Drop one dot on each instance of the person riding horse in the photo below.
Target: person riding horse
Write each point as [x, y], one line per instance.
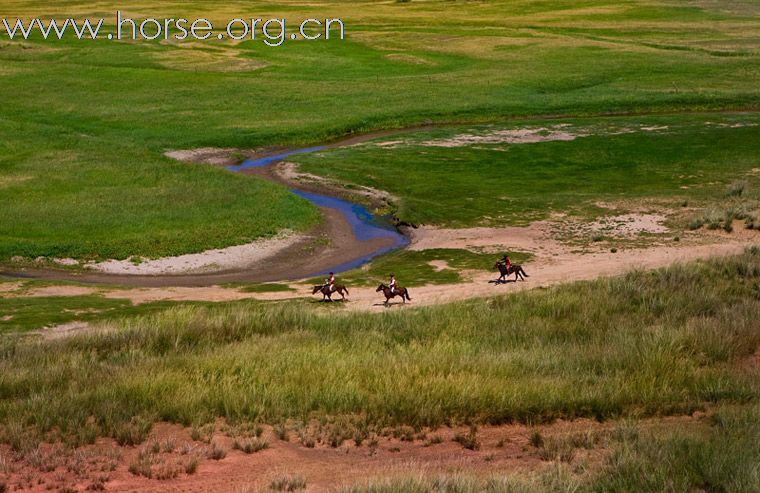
[330, 282]
[329, 287]
[506, 261]
[392, 290]
[506, 268]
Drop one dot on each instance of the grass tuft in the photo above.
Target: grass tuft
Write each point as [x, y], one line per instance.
[287, 482]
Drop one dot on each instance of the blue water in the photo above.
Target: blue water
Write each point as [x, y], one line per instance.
[266, 161]
[364, 224]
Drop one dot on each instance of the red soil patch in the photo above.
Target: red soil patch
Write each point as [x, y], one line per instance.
[501, 450]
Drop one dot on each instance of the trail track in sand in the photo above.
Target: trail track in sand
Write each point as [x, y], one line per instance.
[553, 263]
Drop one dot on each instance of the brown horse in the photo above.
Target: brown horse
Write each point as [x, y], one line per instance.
[515, 269]
[403, 292]
[327, 294]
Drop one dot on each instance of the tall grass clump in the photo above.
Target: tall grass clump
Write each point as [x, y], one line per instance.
[722, 459]
[661, 342]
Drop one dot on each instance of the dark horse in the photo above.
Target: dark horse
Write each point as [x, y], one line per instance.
[403, 292]
[327, 294]
[515, 269]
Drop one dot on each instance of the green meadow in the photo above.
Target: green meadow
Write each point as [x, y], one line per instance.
[23, 314]
[84, 124]
[475, 175]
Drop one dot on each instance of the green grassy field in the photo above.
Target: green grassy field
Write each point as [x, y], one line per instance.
[474, 175]
[660, 343]
[84, 124]
[22, 314]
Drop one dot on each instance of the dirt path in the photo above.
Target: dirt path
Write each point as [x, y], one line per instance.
[553, 263]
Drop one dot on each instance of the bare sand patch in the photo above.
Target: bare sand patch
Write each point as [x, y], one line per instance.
[10, 287]
[289, 172]
[82, 311]
[389, 143]
[63, 330]
[6, 318]
[630, 224]
[60, 290]
[207, 155]
[439, 265]
[535, 238]
[532, 135]
[655, 128]
[223, 259]
[512, 136]
[207, 293]
[66, 261]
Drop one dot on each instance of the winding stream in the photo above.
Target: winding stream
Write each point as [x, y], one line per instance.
[364, 225]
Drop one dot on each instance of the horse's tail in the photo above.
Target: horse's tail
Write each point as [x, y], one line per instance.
[406, 292]
[523, 272]
[345, 289]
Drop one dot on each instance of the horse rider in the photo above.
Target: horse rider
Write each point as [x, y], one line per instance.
[506, 261]
[330, 282]
[392, 284]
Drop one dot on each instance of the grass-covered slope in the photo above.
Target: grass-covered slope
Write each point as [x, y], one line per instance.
[83, 124]
[648, 343]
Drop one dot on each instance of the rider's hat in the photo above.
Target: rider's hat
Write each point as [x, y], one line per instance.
[331, 273]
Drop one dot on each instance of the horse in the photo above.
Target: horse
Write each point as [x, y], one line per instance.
[327, 294]
[515, 269]
[403, 292]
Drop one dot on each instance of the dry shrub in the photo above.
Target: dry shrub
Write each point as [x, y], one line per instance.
[250, 446]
